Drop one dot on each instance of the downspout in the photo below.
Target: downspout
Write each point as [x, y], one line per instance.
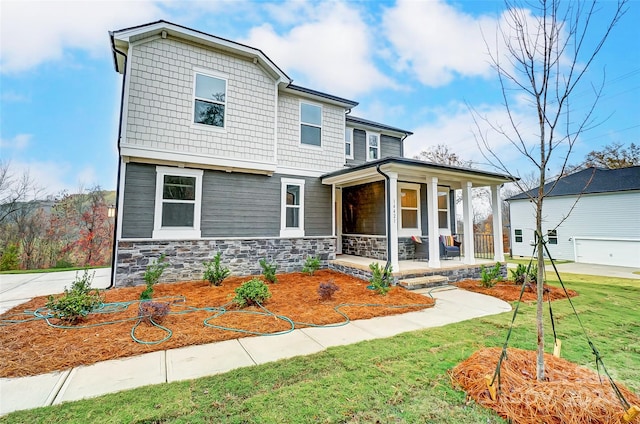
[115, 223]
[402, 145]
[386, 177]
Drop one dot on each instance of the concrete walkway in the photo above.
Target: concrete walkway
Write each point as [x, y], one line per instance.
[452, 305]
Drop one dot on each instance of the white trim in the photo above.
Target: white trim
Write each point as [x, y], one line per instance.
[125, 101]
[284, 230]
[120, 200]
[348, 130]
[211, 74]
[367, 134]
[195, 158]
[300, 123]
[177, 233]
[299, 172]
[446, 229]
[275, 122]
[408, 232]
[144, 239]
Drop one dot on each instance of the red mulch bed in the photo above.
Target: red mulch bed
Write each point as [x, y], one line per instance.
[33, 347]
[510, 292]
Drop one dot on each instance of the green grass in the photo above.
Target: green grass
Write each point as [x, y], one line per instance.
[402, 379]
[525, 261]
[42, 271]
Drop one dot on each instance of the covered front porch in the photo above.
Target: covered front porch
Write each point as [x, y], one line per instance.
[383, 207]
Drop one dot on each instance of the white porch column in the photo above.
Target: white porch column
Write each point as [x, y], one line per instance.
[337, 193]
[392, 215]
[467, 219]
[432, 219]
[496, 209]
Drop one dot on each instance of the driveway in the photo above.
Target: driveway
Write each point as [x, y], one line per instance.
[19, 288]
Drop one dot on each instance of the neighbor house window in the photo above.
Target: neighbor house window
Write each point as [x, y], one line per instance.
[292, 208]
[552, 235]
[348, 143]
[373, 146]
[210, 99]
[178, 199]
[443, 209]
[518, 234]
[310, 124]
[409, 209]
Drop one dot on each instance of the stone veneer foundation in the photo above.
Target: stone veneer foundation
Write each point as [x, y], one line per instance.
[376, 247]
[241, 256]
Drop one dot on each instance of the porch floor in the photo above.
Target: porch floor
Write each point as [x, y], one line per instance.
[408, 267]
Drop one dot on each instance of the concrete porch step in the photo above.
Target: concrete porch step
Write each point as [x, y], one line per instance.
[423, 282]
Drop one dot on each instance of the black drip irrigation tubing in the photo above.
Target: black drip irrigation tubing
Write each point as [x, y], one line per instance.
[45, 314]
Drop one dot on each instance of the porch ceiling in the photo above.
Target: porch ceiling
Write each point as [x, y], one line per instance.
[417, 171]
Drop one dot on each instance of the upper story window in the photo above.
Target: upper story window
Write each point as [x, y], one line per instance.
[210, 100]
[310, 124]
[177, 205]
[292, 208]
[373, 146]
[553, 236]
[518, 235]
[348, 143]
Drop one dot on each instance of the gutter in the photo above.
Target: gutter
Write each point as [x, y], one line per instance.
[117, 206]
[386, 177]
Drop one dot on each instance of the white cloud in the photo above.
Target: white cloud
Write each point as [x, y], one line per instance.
[48, 177]
[435, 41]
[332, 49]
[33, 33]
[19, 142]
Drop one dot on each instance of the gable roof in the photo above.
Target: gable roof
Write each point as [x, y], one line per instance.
[590, 181]
[375, 125]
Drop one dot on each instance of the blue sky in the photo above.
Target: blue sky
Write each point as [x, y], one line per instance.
[413, 65]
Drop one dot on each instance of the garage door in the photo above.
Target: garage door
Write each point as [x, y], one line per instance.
[608, 251]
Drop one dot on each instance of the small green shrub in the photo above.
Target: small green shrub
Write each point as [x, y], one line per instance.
[253, 292]
[214, 272]
[326, 290]
[63, 263]
[153, 311]
[10, 258]
[489, 276]
[380, 278]
[311, 265]
[77, 302]
[152, 276]
[520, 274]
[269, 271]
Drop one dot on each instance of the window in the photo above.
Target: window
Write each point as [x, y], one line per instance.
[178, 199]
[292, 208]
[518, 234]
[373, 146]
[310, 124]
[210, 96]
[348, 143]
[443, 209]
[552, 235]
[409, 209]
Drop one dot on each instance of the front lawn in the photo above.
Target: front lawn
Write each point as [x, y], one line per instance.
[402, 379]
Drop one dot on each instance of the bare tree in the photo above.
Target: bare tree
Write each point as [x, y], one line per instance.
[612, 156]
[547, 48]
[442, 155]
[15, 190]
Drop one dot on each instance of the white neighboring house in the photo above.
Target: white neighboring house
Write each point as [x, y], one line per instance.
[603, 227]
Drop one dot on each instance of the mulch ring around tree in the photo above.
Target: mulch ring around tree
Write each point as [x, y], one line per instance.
[570, 395]
[510, 292]
[31, 347]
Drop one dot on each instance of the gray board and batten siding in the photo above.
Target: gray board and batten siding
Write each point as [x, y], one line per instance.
[389, 147]
[233, 204]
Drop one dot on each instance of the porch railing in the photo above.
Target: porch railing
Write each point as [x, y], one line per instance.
[483, 245]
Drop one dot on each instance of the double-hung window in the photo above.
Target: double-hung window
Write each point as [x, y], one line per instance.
[178, 200]
[310, 124]
[552, 235]
[443, 209]
[348, 143]
[210, 100]
[409, 209]
[518, 235]
[292, 208]
[373, 146]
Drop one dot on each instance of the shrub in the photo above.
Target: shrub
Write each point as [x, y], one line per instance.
[77, 302]
[326, 290]
[520, 274]
[10, 260]
[152, 276]
[311, 265]
[489, 277]
[380, 278]
[269, 271]
[153, 311]
[63, 263]
[253, 292]
[214, 272]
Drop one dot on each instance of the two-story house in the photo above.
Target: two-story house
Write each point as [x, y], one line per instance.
[220, 151]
